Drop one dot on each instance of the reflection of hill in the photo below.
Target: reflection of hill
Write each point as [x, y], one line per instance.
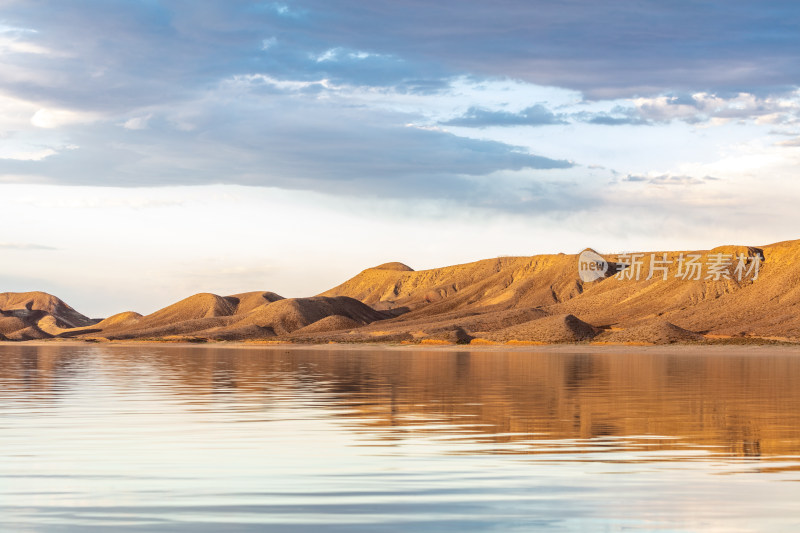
[37, 373]
[736, 405]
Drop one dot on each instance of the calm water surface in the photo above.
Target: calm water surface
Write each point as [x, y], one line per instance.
[202, 439]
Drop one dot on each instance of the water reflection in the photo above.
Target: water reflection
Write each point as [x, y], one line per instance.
[745, 406]
[167, 437]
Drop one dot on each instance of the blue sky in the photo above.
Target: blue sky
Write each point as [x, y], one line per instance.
[152, 149]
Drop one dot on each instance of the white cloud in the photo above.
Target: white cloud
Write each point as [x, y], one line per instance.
[285, 11]
[792, 143]
[15, 46]
[83, 198]
[249, 80]
[4, 28]
[328, 55]
[338, 53]
[717, 110]
[750, 159]
[26, 155]
[25, 179]
[24, 246]
[20, 150]
[55, 118]
[15, 41]
[266, 44]
[669, 180]
[425, 127]
[15, 114]
[137, 123]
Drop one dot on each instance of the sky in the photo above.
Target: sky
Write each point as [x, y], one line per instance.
[150, 150]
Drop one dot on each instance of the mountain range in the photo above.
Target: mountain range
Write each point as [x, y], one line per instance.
[736, 294]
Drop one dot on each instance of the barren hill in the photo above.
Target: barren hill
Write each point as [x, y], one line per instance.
[768, 306]
[286, 316]
[35, 304]
[36, 315]
[255, 315]
[508, 281]
[729, 292]
[249, 301]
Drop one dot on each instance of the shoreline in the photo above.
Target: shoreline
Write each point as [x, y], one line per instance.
[566, 348]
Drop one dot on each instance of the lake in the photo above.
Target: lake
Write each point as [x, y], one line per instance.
[207, 438]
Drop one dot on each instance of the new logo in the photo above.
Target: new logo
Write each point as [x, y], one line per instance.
[591, 266]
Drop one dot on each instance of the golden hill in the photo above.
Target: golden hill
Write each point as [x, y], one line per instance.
[765, 307]
[508, 299]
[508, 281]
[255, 315]
[36, 315]
[248, 301]
[37, 304]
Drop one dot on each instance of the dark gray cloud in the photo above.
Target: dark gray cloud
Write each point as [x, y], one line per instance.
[288, 144]
[477, 117]
[116, 54]
[605, 49]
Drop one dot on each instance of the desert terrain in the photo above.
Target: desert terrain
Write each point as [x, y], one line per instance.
[504, 301]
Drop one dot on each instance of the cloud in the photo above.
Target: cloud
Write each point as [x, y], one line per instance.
[30, 155]
[24, 246]
[476, 117]
[55, 118]
[617, 117]
[247, 139]
[608, 120]
[791, 143]
[697, 109]
[669, 179]
[14, 41]
[152, 53]
[315, 95]
[599, 48]
[146, 53]
[284, 10]
[137, 123]
[339, 54]
[266, 44]
[14, 46]
[703, 107]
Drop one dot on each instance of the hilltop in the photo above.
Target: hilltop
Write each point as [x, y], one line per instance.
[740, 294]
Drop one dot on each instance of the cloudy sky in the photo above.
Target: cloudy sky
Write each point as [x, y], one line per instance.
[153, 149]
